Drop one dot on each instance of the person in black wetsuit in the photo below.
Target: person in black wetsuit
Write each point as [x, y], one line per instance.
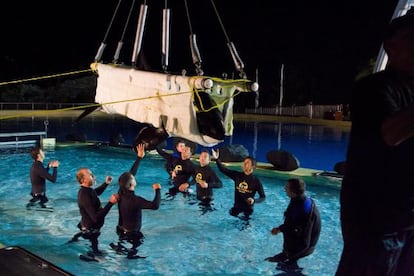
[206, 179]
[179, 148]
[245, 186]
[182, 172]
[90, 208]
[301, 227]
[130, 207]
[38, 176]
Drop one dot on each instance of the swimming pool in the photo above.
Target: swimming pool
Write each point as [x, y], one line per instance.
[316, 146]
[181, 238]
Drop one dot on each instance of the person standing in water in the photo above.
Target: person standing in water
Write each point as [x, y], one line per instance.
[179, 148]
[38, 176]
[183, 170]
[301, 227]
[130, 208]
[90, 208]
[206, 179]
[246, 185]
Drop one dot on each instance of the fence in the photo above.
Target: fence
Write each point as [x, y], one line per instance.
[37, 106]
[329, 112]
[21, 139]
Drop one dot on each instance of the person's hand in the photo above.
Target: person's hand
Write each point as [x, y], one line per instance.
[203, 184]
[250, 201]
[156, 186]
[140, 150]
[275, 231]
[183, 187]
[215, 153]
[54, 163]
[108, 179]
[173, 174]
[114, 198]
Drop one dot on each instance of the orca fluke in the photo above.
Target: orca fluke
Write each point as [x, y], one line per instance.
[85, 113]
[151, 137]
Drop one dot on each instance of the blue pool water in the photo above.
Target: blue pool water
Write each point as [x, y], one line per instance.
[315, 146]
[181, 238]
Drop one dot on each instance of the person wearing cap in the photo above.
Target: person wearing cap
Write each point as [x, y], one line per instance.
[377, 191]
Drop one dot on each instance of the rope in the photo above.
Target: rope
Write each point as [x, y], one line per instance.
[45, 77]
[196, 93]
[46, 112]
[32, 113]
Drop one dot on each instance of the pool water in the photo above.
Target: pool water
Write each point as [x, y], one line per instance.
[181, 238]
[315, 146]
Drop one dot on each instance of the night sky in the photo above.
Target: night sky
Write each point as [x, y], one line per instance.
[323, 44]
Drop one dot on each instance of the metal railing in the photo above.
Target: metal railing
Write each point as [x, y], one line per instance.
[21, 139]
[37, 106]
[330, 112]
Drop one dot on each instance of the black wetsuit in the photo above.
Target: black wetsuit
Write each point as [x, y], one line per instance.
[207, 174]
[130, 212]
[245, 186]
[184, 169]
[38, 176]
[169, 165]
[92, 213]
[301, 229]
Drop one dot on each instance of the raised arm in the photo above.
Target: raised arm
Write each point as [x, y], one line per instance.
[140, 154]
[226, 171]
[164, 154]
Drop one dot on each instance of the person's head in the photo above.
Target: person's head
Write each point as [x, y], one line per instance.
[295, 187]
[37, 154]
[127, 181]
[249, 165]
[204, 158]
[186, 153]
[85, 177]
[399, 43]
[180, 146]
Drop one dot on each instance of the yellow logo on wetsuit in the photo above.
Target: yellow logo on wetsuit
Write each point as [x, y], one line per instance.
[243, 187]
[178, 168]
[199, 176]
